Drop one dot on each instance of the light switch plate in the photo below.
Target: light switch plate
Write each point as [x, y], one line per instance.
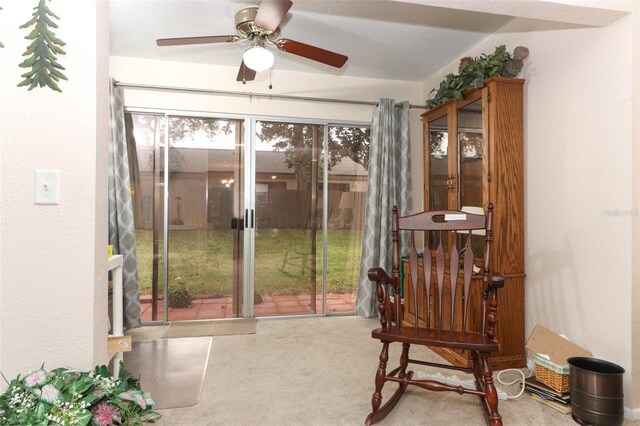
[47, 186]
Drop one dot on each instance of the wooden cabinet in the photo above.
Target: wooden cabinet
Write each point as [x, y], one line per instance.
[473, 155]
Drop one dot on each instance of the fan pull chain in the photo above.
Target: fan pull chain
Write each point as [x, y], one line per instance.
[270, 86]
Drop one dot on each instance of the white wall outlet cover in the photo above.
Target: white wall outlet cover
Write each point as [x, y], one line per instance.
[47, 186]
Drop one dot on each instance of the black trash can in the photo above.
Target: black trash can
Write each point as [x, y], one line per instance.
[596, 392]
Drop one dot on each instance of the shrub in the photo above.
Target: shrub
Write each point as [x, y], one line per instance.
[180, 297]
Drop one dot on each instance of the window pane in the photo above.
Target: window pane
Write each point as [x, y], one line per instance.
[470, 166]
[288, 234]
[145, 137]
[348, 172]
[205, 184]
[439, 177]
[438, 164]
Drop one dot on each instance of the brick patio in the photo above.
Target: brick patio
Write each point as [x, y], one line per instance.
[271, 306]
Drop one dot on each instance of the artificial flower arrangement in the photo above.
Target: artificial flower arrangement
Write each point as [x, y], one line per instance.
[71, 397]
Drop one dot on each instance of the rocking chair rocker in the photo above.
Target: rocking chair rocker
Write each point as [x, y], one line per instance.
[432, 327]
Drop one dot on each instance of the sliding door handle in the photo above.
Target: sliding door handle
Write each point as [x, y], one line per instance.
[248, 224]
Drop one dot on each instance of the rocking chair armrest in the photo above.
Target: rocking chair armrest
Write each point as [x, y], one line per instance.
[383, 294]
[497, 281]
[379, 275]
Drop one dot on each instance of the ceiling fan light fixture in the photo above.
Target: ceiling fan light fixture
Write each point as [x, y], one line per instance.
[258, 58]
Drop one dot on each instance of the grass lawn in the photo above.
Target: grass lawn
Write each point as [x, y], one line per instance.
[202, 261]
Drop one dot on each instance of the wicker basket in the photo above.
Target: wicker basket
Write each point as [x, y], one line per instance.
[554, 375]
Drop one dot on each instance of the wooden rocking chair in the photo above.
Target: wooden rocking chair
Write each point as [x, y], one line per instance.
[437, 322]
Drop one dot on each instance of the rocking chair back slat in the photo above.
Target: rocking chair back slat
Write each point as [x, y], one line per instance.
[468, 272]
[440, 265]
[454, 262]
[426, 271]
[413, 265]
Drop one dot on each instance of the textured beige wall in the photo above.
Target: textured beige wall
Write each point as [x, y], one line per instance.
[581, 206]
[53, 279]
[635, 230]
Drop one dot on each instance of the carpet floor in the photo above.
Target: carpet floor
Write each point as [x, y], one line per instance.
[320, 371]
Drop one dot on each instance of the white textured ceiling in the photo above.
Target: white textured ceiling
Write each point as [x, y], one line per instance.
[383, 39]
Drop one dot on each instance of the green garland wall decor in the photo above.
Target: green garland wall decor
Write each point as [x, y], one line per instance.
[472, 72]
[43, 50]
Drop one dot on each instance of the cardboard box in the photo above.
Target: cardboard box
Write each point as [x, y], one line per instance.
[543, 341]
[550, 352]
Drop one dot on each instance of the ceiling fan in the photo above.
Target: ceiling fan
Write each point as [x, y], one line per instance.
[259, 25]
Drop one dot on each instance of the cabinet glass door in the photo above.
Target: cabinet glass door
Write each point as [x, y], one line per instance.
[440, 178]
[470, 155]
[205, 212]
[439, 181]
[470, 160]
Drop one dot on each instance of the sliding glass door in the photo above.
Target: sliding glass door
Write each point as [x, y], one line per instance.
[146, 134]
[258, 217]
[310, 184]
[288, 211]
[199, 246]
[347, 174]
[205, 202]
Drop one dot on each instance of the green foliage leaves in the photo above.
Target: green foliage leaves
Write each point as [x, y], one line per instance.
[351, 142]
[296, 141]
[43, 50]
[70, 397]
[187, 127]
[474, 71]
[180, 297]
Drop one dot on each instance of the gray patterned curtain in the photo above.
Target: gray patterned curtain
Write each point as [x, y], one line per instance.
[389, 184]
[121, 226]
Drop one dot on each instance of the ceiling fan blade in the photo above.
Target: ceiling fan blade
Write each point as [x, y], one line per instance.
[271, 13]
[179, 41]
[311, 52]
[245, 73]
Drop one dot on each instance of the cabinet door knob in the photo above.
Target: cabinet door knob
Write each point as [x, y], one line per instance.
[451, 182]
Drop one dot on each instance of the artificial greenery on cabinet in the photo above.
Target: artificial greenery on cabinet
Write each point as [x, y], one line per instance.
[43, 51]
[472, 72]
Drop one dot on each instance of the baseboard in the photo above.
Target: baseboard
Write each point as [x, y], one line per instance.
[632, 413]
